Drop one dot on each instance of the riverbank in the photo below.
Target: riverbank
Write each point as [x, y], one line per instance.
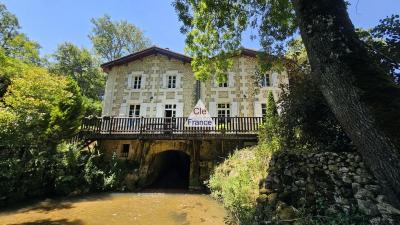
[119, 208]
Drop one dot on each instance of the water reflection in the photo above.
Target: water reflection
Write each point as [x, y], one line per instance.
[121, 209]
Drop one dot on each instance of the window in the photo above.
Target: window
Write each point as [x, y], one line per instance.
[224, 110]
[125, 150]
[137, 81]
[224, 84]
[134, 110]
[170, 110]
[265, 81]
[171, 81]
[263, 110]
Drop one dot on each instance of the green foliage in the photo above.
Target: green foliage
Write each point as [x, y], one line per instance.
[9, 26]
[269, 130]
[214, 30]
[306, 121]
[81, 66]
[382, 42]
[92, 107]
[65, 118]
[42, 105]
[114, 39]
[235, 181]
[93, 175]
[13, 43]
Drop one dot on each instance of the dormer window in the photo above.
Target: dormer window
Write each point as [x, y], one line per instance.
[171, 82]
[265, 81]
[223, 84]
[137, 81]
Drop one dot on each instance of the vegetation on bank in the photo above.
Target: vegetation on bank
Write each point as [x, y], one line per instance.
[235, 181]
[41, 105]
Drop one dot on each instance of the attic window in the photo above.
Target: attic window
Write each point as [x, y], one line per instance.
[265, 81]
[171, 81]
[137, 81]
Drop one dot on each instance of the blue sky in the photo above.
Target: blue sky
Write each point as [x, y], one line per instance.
[51, 22]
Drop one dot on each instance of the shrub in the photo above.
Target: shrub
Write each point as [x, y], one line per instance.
[306, 123]
[235, 181]
[93, 175]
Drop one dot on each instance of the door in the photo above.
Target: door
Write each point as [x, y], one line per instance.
[169, 117]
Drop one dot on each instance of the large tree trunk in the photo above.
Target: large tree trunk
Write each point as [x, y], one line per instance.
[363, 98]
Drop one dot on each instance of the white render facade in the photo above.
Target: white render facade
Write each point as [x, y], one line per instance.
[157, 82]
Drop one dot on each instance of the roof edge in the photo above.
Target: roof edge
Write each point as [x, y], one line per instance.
[157, 50]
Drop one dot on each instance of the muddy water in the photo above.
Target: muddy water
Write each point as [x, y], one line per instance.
[120, 209]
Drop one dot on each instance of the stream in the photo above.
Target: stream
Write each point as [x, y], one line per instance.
[119, 209]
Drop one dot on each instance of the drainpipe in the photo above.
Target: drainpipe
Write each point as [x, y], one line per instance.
[198, 91]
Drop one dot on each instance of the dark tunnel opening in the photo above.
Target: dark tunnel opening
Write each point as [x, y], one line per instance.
[170, 170]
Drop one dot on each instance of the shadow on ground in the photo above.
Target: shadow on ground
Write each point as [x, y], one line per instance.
[51, 222]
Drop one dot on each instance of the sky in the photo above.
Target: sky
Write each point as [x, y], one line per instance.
[52, 22]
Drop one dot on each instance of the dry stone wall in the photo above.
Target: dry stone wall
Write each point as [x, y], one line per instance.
[324, 184]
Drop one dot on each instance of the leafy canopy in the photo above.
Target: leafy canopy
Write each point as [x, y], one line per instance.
[81, 66]
[214, 30]
[114, 39]
[14, 43]
[38, 108]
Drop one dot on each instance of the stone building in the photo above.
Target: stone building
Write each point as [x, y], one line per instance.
[159, 83]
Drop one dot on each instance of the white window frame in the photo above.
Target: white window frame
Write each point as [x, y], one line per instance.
[223, 109]
[171, 107]
[137, 82]
[134, 110]
[171, 81]
[265, 80]
[263, 110]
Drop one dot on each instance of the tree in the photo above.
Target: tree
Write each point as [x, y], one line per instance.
[81, 66]
[39, 107]
[15, 44]
[114, 39]
[8, 26]
[360, 94]
[269, 129]
[384, 43]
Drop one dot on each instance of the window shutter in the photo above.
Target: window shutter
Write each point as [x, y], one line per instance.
[143, 83]
[143, 109]
[257, 109]
[123, 111]
[231, 80]
[234, 109]
[129, 86]
[274, 78]
[178, 81]
[212, 109]
[160, 110]
[164, 81]
[179, 110]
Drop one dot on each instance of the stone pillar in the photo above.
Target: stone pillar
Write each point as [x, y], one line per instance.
[194, 179]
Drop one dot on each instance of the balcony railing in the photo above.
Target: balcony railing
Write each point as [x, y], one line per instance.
[169, 126]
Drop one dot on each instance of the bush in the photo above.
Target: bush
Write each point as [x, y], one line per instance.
[235, 181]
[306, 123]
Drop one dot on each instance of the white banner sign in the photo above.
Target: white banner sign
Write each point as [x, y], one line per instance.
[199, 117]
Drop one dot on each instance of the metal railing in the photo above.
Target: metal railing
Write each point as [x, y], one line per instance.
[168, 125]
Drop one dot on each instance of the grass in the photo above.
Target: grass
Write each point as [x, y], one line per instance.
[235, 181]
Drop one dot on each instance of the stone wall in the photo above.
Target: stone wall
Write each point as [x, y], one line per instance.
[204, 155]
[324, 184]
[243, 93]
[153, 93]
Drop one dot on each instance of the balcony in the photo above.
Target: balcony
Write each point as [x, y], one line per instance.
[123, 128]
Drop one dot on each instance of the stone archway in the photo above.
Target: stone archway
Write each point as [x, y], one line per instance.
[169, 170]
[163, 156]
